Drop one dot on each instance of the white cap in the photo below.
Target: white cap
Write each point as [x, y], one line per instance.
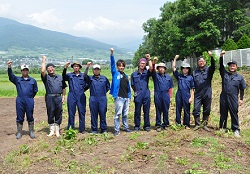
[24, 67]
[96, 66]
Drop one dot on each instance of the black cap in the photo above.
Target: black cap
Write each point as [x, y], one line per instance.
[50, 64]
[232, 62]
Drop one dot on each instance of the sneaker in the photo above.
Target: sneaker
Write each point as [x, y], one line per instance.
[187, 127]
[196, 127]
[94, 132]
[104, 131]
[127, 130]
[147, 129]
[82, 132]
[116, 133]
[158, 129]
[237, 133]
[136, 129]
[206, 128]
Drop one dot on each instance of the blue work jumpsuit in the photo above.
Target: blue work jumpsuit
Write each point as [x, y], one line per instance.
[231, 85]
[139, 83]
[162, 84]
[203, 92]
[76, 97]
[98, 101]
[185, 84]
[54, 86]
[26, 91]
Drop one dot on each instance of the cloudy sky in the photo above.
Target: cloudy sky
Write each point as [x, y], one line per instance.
[110, 21]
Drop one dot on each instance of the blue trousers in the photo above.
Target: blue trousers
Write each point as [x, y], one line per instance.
[54, 109]
[162, 102]
[229, 102]
[24, 105]
[182, 101]
[98, 105]
[142, 101]
[79, 100]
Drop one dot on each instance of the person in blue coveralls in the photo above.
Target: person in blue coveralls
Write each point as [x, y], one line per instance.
[163, 85]
[185, 93]
[203, 92]
[54, 98]
[233, 84]
[26, 90]
[139, 84]
[121, 92]
[76, 96]
[98, 85]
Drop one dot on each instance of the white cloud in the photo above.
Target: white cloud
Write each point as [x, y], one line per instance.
[4, 9]
[46, 19]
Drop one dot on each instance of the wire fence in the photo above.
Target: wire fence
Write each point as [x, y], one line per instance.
[241, 56]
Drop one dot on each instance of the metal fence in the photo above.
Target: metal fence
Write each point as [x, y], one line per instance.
[241, 56]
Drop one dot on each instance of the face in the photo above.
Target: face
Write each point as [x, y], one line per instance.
[185, 70]
[25, 72]
[51, 70]
[161, 70]
[142, 65]
[120, 67]
[202, 63]
[233, 67]
[76, 68]
[96, 71]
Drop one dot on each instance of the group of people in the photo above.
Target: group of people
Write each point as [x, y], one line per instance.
[191, 86]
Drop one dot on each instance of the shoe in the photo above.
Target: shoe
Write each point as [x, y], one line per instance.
[158, 129]
[206, 128]
[147, 129]
[31, 129]
[52, 130]
[19, 130]
[127, 130]
[116, 133]
[196, 127]
[94, 132]
[104, 131]
[57, 130]
[237, 134]
[187, 127]
[136, 129]
[82, 132]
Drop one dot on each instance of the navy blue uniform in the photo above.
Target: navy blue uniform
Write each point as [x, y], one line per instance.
[54, 86]
[231, 84]
[185, 84]
[76, 97]
[162, 84]
[99, 86]
[139, 83]
[203, 91]
[26, 91]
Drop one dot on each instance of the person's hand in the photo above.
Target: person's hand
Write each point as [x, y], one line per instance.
[190, 100]
[9, 63]
[155, 60]
[44, 58]
[112, 50]
[210, 53]
[67, 65]
[89, 64]
[176, 57]
[240, 102]
[222, 53]
[147, 56]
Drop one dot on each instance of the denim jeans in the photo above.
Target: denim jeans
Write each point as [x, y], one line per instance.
[121, 108]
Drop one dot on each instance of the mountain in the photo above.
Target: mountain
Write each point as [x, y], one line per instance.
[21, 38]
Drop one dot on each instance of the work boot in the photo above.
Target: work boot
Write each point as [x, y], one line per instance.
[196, 127]
[52, 130]
[57, 130]
[31, 129]
[204, 123]
[19, 130]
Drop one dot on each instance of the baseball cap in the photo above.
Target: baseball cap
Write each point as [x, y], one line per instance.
[50, 64]
[185, 65]
[96, 66]
[24, 67]
[232, 62]
[161, 65]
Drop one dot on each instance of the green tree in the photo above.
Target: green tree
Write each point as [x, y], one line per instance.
[244, 42]
[229, 45]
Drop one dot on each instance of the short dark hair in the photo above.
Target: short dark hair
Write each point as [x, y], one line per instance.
[189, 71]
[120, 61]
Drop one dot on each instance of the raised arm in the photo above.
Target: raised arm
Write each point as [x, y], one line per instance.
[222, 68]
[85, 74]
[112, 61]
[212, 66]
[64, 75]
[12, 77]
[43, 68]
[174, 62]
